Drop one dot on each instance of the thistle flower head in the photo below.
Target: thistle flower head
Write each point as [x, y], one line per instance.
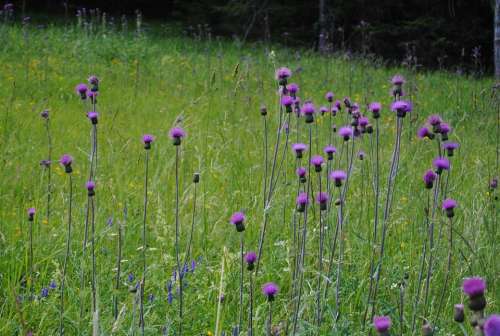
[66, 160]
[363, 121]
[494, 183]
[45, 114]
[270, 289]
[448, 206]
[250, 257]
[302, 199]
[176, 134]
[322, 198]
[429, 178]
[329, 149]
[492, 325]
[441, 163]
[82, 89]
[148, 138]
[382, 323]
[361, 155]
[444, 128]
[283, 73]
[31, 213]
[398, 80]
[346, 132]
[434, 120]
[424, 132]
[287, 101]
[451, 145]
[90, 185]
[458, 313]
[474, 286]
[323, 110]
[237, 217]
[308, 109]
[93, 116]
[301, 172]
[401, 107]
[292, 88]
[93, 80]
[329, 96]
[317, 160]
[338, 176]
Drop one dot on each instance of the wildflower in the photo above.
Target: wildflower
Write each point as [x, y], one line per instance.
[238, 219]
[474, 288]
[308, 111]
[375, 108]
[347, 102]
[82, 89]
[94, 82]
[292, 89]
[45, 114]
[263, 110]
[45, 163]
[283, 73]
[176, 134]
[66, 160]
[435, 121]
[424, 132]
[93, 117]
[334, 111]
[92, 95]
[450, 147]
[382, 324]
[287, 102]
[196, 177]
[270, 289]
[148, 139]
[441, 163]
[130, 277]
[31, 214]
[329, 151]
[317, 161]
[401, 107]
[323, 110]
[322, 199]
[302, 200]
[398, 80]
[363, 122]
[338, 176]
[494, 183]
[458, 313]
[301, 173]
[44, 293]
[429, 178]
[492, 326]
[346, 132]
[52, 284]
[448, 206]
[444, 129]
[338, 105]
[329, 96]
[90, 185]
[250, 259]
[299, 149]
[361, 155]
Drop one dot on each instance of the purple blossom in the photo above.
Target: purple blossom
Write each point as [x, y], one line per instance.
[338, 176]
[237, 218]
[322, 199]
[302, 199]
[450, 147]
[45, 114]
[31, 212]
[52, 284]
[317, 161]
[90, 185]
[308, 109]
[494, 183]
[382, 323]
[93, 117]
[441, 163]
[44, 293]
[424, 132]
[250, 257]
[363, 121]
[474, 286]
[492, 325]
[323, 110]
[361, 155]
[270, 289]
[401, 107]
[299, 149]
[398, 80]
[329, 96]
[287, 101]
[283, 73]
[292, 88]
[301, 173]
[429, 178]
[444, 129]
[176, 134]
[329, 149]
[82, 89]
[434, 120]
[148, 139]
[346, 132]
[93, 80]
[66, 160]
[338, 105]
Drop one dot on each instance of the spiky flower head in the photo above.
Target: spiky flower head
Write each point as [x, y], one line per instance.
[302, 201]
[338, 176]
[177, 134]
[434, 120]
[450, 147]
[448, 206]
[398, 80]
[329, 151]
[82, 89]
[375, 108]
[382, 324]
[270, 289]
[31, 214]
[329, 96]
[317, 161]
[441, 163]
[474, 288]
[429, 178]
[90, 185]
[250, 259]
[424, 132]
[45, 114]
[492, 325]
[93, 116]
[301, 173]
[293, 89]
[283, 73]
[308, 110]
[401, 107]
[238, 219]
[299, 149]
[147, 140]
[66, 160]
[345, 132]
[322, 199]
[458, 313]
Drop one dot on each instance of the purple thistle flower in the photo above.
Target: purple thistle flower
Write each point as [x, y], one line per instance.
[450, 147]
[176, 134]
[441, 163]
[270, 289]
[287, 101]
[329, 151]
[329, 96]
[193, 265]
[429, 178]
[434, 120]
[250, 259]
[93, 117]
[263, 110]
[93, 96]
[401, 107]
[170, 297]
[361, 155]
[302, 201]
[45, 163]
[448, 206]
[301, 173]
[444, 129]
[382, 324]
[375, 108]
[308, 110]
[474, 286]
[492, 325]
[338, 104]
[317, 161]
[93, 80]
[458, 313]
[322, 199]
[283, 73]
[363, 121]
[338, 176]
[494, 183]
[31, 214]
[90, 185]
[334, 111]
[346, 132]
[45, 114]
[293, 89]
[299, 149]
[323, 110]
[398, 80]
[82, 89]
[147, 139]
[424, 132]
[66, 160]
[238, 219]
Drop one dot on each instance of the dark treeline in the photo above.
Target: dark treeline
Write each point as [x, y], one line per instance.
[455, 34]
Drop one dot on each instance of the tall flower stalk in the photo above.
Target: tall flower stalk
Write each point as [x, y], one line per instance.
[31, 218]
[47, 163]
[250, 258]
[238, 220]
[147, 139]
[66, 160]
[270, 290]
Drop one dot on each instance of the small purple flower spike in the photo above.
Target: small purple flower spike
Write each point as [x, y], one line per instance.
[147, 140]
[176, 134]
[429, 178]
[93, 117]
[238, 219]
[338, 176]
[322, 199]
[401, 107]
[31, 214]
[302, 201]
[317, 161]
[441, 163]
[375, 108]
[90, 185]
[270, 289]
[299, 149]
[82, 89]
[346, 132]
[448, 206]
[474, 288]
[66, 160]
[363, 121]
[424, 132]
[329, 97]
[382, 324]
[492, 325]
[250, 259]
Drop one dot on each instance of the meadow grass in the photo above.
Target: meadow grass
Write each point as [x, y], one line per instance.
[215, 88]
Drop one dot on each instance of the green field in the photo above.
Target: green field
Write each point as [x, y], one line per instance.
[214, 89]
